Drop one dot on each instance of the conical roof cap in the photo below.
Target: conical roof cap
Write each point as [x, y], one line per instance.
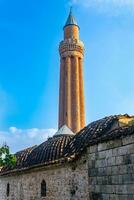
[64, 130]
[71, 19]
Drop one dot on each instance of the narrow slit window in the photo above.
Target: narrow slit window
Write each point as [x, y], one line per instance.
[43, 188]
[8, 189]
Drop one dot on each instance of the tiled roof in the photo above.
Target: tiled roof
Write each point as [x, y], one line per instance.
[23, 155]
[51, 150]
[108, 128]
[66, 147]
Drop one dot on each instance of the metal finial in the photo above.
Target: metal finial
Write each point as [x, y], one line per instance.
[71, 8]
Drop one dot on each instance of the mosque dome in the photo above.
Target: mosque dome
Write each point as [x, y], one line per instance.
[53, 149]
[65, 146]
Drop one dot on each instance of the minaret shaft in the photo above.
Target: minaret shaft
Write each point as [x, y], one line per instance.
[61, 95]
[67, 82]
[81, 90]
[75, 101]
[71, 100]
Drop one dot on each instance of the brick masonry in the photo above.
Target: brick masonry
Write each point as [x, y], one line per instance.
[71, 95]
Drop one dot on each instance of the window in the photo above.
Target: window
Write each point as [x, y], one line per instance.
[43, 188]
[8, 189]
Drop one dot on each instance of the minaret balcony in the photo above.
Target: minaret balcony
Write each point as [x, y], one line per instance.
[71, 45]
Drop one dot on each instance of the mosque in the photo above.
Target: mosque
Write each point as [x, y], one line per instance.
[80, 162]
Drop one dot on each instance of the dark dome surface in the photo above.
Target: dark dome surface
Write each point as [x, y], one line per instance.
[108, 128]
[49, 151]
[22, 156]
[66, 147]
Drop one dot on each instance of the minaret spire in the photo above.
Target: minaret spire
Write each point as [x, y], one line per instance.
[71, 19]
[71, 100]
[71, 10]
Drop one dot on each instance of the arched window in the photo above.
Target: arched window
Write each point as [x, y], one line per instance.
[43, 188]
[8, 189]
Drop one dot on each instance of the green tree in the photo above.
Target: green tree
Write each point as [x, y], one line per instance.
[6, 158]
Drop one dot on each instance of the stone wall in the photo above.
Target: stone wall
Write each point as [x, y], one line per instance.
[69, 182]
[104, 172]
[111, 170]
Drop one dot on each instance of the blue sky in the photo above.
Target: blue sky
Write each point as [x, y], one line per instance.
[30, 32]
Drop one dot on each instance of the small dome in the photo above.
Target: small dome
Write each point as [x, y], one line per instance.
[64, 145]
[49, 151]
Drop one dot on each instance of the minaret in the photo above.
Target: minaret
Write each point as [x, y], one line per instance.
[71, 100]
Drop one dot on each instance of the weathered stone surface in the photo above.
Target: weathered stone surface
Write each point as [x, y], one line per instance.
[109, 145]
[128, 140]
[61, 182]
[111, 170]
[97, 175]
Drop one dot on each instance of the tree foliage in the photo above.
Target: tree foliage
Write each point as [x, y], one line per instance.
[6, 158]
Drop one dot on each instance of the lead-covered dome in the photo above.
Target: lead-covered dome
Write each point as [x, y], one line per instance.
[51, 150]
[65, 146]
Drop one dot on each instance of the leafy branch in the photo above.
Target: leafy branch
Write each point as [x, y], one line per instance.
[6, 158]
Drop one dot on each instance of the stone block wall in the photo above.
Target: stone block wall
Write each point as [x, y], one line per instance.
[66, 182]
[104, 172]
[111, 170]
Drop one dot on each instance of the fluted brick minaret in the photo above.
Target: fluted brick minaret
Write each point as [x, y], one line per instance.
[71, 101]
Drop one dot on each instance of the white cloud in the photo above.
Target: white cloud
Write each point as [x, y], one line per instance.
[114, 7]
[18, 139]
